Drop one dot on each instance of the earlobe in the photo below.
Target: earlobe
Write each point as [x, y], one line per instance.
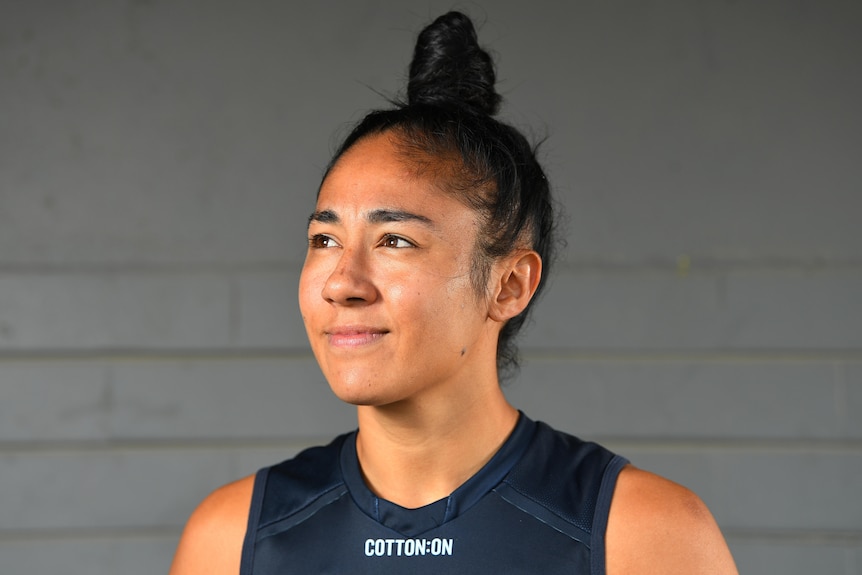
[518, 279]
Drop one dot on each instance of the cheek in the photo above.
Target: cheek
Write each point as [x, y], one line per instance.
[309, 290]
[461, 292]
[395, 293]
[451, 304]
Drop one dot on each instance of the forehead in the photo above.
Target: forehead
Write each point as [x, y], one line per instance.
[380, 171]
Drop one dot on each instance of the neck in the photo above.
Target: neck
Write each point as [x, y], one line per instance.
[413, 455]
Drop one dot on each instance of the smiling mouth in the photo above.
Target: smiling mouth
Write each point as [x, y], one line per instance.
[357, 337]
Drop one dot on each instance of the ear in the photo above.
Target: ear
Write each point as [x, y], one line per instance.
[518, 277]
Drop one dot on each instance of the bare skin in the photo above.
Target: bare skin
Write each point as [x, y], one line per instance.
[657, 527]
[212, 539]
[400, 331]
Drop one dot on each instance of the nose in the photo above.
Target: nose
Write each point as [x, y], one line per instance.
[350, 283]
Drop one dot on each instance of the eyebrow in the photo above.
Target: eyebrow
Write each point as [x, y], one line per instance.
[375, 217]
[324, 217]
[383, 216]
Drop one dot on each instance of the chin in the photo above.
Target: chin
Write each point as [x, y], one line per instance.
[358, 392]
[369, 395]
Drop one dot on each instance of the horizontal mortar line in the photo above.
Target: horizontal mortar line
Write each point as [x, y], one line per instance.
[695, 354]
[543, 354]
[144, 353]
[796, 537]
[89, 533]
[692, 264]
[805, 446]
[65, 447]
[168, 268]
[699, 445]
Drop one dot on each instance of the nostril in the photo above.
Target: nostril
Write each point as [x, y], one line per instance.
[348, 286]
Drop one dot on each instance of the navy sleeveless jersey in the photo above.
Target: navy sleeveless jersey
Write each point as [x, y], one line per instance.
[539, 506]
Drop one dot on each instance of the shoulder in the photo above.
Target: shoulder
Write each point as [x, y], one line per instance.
[657, 526]
[212, 539]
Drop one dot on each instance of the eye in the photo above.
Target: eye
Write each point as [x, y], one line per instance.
[392, 241]
[321, 241]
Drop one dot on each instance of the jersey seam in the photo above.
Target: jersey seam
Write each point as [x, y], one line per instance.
[298, 510]
[610, 474]
[256, 508]
[549, 510]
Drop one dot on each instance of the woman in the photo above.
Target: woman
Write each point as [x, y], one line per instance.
[431, 234]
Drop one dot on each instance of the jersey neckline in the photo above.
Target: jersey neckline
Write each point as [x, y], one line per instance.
[413, 522]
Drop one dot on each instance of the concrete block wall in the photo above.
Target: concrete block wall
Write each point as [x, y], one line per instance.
[157, 163]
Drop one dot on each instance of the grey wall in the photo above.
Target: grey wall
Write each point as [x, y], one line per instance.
[158, 160]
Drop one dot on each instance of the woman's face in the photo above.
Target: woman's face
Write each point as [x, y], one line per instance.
[386, 292]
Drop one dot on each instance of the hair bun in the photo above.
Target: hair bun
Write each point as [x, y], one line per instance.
[450, 69]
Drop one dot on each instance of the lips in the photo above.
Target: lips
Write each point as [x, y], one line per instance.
[354, 336]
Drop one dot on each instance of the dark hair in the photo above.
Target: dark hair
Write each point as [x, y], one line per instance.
[486, 163]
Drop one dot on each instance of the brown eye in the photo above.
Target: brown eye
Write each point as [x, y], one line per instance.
[391, 241]
[320, 241]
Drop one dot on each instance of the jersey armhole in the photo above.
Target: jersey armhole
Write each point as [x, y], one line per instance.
[246, 565]
[600, 518]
